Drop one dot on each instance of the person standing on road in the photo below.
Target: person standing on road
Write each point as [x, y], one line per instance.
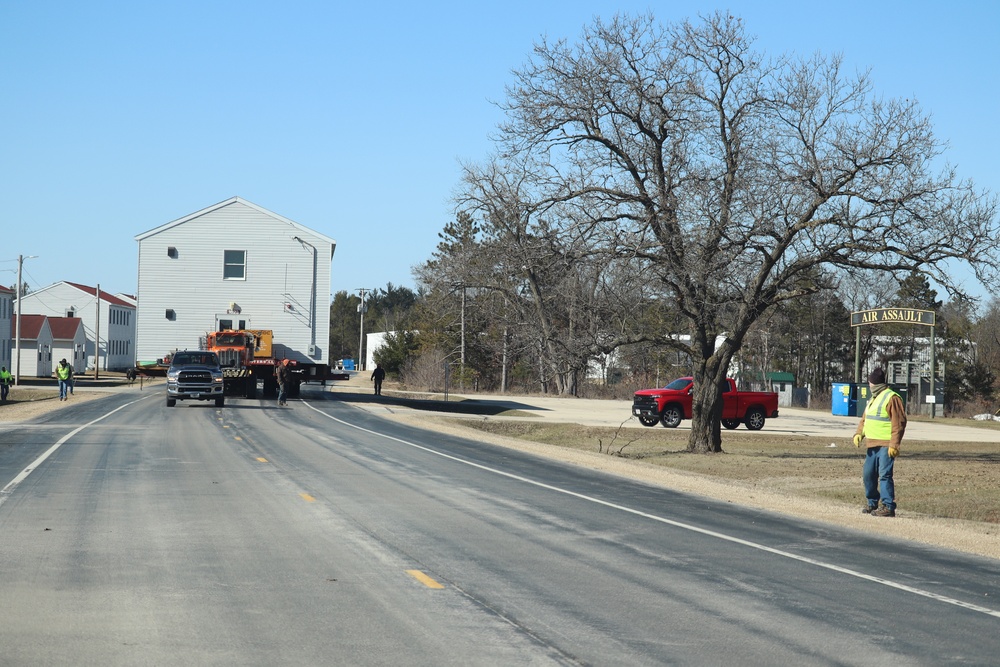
[64, 373]
[283, 376]
[6, 379]
[377, 376]
[882, 426]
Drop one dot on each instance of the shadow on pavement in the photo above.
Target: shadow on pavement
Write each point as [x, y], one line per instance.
[464, 406]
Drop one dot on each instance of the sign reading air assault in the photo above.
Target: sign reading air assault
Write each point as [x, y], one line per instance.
[893, 316]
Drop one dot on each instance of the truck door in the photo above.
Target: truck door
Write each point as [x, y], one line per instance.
[730, 402]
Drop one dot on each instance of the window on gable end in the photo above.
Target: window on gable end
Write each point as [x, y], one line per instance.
[234, 265]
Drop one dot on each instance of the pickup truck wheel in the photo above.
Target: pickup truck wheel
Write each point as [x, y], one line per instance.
[220, 401]
[671, 416]
[649, 421]
[171, 402]
[755, 419]
[730, 423]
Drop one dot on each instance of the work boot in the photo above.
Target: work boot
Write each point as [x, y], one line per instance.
[884, 511]
[869, 509]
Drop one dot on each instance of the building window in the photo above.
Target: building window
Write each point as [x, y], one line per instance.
[235, 265]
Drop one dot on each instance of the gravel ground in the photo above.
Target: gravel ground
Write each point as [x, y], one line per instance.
[971, 537]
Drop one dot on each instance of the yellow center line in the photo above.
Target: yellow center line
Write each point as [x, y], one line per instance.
[262, 459]
[238, 437]
[306, 497]
[424, 579]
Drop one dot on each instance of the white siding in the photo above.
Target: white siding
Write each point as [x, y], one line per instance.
[6, 329]
[60, 299]
[73, 351]
[36, 355]
[279, 291]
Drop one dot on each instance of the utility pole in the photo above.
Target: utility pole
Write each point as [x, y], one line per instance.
[97, 336]
[17, 324]
[463, 338]
[361, 336]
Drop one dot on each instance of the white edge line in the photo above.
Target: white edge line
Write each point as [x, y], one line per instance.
[11, 485]
[677, 524]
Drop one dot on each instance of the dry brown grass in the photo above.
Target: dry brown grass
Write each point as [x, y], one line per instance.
[958, 480]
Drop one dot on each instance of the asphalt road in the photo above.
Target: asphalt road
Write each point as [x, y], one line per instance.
[323, 534]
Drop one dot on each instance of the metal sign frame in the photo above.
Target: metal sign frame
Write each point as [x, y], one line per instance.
[916, 316]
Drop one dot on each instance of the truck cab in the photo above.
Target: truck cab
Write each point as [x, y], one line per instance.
[195, 375]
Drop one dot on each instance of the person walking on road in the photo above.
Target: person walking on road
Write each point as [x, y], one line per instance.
[283, 376]
[64, 373]
[377, 376]
[881, 428]
[6, 379]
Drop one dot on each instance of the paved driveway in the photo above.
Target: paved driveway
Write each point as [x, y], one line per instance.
[793, 421]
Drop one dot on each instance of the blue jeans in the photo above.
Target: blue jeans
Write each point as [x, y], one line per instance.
[877, 474]
[63, 388]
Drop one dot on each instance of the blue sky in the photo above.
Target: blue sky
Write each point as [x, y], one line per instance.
[352, 118]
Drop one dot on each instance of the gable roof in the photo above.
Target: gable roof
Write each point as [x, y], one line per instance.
[6, 290]
[229, 202]
[64, 328]
[105, 296]
[31, 326]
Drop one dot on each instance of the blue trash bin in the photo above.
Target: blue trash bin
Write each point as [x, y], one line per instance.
[844, 398]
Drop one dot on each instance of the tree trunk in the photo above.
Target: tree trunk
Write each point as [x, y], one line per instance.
[706, 401]
[706, 418]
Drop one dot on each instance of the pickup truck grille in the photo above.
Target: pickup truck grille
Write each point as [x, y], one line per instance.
[644, 402]
[194, 377]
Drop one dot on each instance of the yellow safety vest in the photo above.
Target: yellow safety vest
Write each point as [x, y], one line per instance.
[878, 425]
[62, 372]
[6, 377]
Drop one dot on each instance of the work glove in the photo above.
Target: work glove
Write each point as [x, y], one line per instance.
[893, 452]
[857, 440]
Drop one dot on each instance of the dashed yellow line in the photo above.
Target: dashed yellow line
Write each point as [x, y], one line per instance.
[424, 579]
[262, 459]
[237, 437]
[306, 497]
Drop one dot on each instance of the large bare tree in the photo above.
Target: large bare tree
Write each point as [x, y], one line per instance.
[728, 177]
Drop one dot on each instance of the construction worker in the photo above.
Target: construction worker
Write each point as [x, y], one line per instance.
[881, 428]
[6, 379]
[64, 373]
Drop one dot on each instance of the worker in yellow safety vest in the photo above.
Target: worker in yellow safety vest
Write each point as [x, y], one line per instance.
[881, 428]
[6, 379]
[64, 373]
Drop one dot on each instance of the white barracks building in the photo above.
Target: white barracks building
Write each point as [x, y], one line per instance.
[234, 265]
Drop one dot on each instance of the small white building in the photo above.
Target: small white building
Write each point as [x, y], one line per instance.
[6, 330]
[236, 264]
[69, 342]
[36, 347]
[109, 318]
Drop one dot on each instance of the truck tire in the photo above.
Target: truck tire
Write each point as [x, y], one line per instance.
[731, 423]
[171, 402]
[220, 401]
[755, 419]
[671, 416]
[250, 390]
[649, 421]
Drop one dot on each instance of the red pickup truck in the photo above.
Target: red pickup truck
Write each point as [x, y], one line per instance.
[672, 403]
